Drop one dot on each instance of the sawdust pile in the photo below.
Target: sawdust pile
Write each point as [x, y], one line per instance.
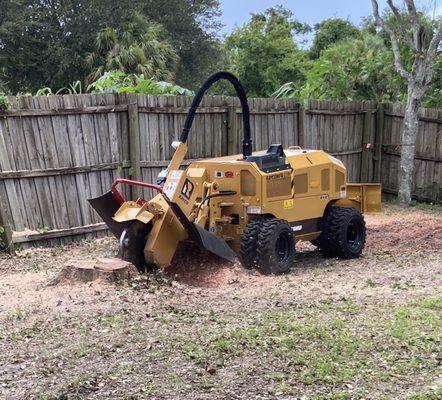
[195, 267]
[406, 233]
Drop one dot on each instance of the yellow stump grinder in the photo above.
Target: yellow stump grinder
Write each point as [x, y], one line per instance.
[256, 205]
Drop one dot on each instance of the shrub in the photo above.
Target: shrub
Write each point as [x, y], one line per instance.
[119, 82]
[4, 102]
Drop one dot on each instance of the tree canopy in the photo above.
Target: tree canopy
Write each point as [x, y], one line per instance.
[354, 69]
[330, 32]
[263, 53]
[136, 47]
[46, 42]
[53, 43]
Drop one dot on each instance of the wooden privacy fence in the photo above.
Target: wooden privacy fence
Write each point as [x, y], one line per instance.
[57, 151]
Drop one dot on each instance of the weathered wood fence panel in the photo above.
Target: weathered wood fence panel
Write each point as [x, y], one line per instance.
[57, 151]
[427, 177]
[338, 128]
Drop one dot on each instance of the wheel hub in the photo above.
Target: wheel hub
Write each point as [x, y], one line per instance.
[282, 247]
[354, 234]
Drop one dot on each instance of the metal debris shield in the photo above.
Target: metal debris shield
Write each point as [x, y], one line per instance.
[106, 206]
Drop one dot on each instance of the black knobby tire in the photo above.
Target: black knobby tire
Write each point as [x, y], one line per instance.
[249, 243]
[343, 233]
[276, 247]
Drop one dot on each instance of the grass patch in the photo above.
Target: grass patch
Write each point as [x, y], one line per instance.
[428, 395]
[328, 346]
[391, 207]
[111, 320]
[19, 314]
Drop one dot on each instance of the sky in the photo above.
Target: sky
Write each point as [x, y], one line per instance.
[237, 12]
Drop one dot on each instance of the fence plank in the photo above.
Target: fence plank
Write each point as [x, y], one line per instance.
[232, 129]
[366, 152]
[6, 233]
[379, 137]
[134, 147]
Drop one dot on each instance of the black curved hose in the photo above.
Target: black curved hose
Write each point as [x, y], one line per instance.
[247, 141]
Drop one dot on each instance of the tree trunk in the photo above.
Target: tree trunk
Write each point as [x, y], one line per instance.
[409, 133]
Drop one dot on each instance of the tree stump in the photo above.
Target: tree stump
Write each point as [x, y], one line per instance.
[105, 269]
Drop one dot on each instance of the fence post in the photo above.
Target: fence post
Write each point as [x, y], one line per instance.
[366, 155]
[134, 147]
[378, 142]
[301, 125]
[232, 131]
[6, 235]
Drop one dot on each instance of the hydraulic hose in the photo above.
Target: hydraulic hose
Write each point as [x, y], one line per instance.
[247, 141]
[211, 196]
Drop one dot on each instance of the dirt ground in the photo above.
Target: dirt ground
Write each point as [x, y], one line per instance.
[331, 329]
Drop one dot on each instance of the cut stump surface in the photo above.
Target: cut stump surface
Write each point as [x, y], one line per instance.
[106, 269]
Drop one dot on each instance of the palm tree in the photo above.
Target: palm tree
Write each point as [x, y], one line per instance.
[136, 48]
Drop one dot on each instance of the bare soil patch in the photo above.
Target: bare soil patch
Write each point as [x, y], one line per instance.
[331, 329]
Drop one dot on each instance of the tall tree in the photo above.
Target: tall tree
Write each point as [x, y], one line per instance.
[263, 53]
[330, 32]
[136, 47]
[409, 30]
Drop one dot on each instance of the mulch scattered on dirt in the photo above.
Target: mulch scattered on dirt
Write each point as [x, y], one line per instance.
[404, 232]
[169, 334]
[399, 232]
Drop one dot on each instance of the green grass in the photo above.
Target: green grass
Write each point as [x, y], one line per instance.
[329, 348]
[333, 350]
[391, 207]
[427, 395]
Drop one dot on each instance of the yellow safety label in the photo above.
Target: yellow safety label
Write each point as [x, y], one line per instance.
[288, 203]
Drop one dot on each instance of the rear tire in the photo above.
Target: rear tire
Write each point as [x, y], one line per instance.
[249, 243]
[343, 233]
[275, 252]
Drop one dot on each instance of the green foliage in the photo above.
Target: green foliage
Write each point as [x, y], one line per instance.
[119, 82]
[2, 232]
[433, 97]
[263, 54]
[137, 47]
[361, 66]
[435, 394]
[330, 32]
[73, 88]
[4, 103]
[45, 43]
[193, 28]
[355, 69]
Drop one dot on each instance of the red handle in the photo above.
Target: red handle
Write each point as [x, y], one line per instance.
[118, 196]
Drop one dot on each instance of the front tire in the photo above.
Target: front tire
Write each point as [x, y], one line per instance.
[249, 243]
[343, 233]
[275, 252]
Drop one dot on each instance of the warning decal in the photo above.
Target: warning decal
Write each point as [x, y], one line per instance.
[172, 183]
